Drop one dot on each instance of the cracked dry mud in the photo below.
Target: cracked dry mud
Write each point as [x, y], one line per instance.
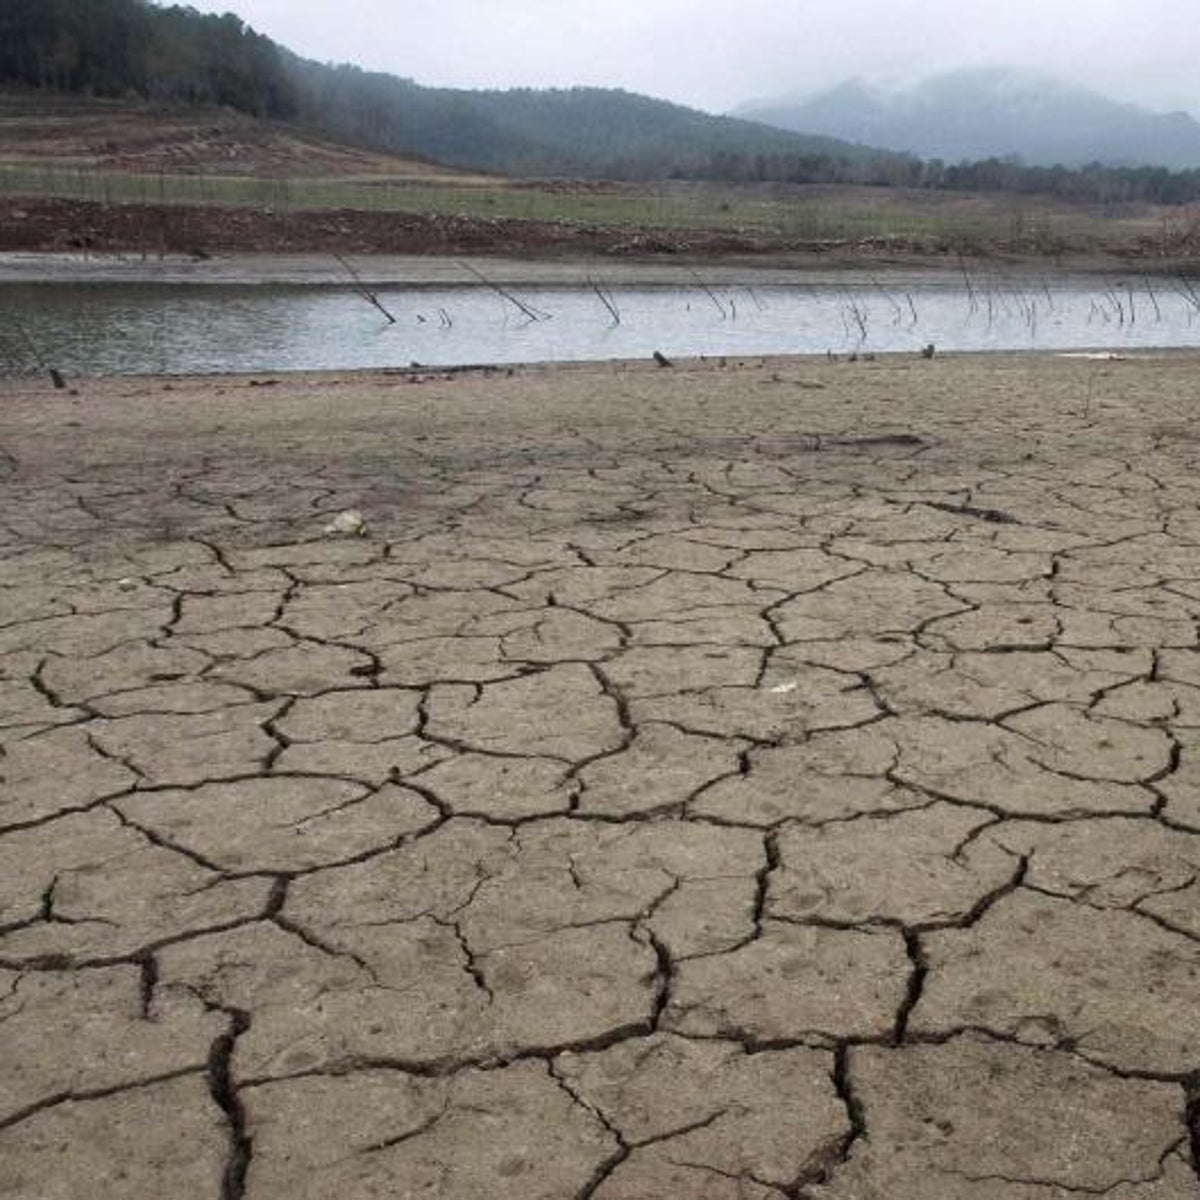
[728, 783]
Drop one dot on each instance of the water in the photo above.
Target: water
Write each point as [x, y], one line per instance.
[140, 328]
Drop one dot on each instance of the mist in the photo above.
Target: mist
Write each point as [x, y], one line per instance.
[715, 56]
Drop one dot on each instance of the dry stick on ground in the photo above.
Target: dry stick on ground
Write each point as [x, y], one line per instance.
[55, 376]
[365, 291]
[534, 314]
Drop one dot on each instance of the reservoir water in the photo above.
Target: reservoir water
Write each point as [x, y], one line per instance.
[135, 328]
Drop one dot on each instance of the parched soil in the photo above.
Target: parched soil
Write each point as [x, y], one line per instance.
[58, 225]
[90, 227]
[779, 782]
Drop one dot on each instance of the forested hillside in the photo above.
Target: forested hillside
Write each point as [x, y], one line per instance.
[128, 47]
[132, 47]
[572, 131]
[174, 54]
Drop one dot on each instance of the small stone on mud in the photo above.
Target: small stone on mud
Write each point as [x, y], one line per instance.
[348, 523]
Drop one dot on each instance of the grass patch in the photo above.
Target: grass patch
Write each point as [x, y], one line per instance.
[772, 212]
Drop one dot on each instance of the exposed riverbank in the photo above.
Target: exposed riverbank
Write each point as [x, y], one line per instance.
[842, 712]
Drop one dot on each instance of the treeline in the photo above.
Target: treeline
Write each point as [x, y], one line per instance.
[132, 48]
[879, 168]
[175, 54]
[1095, 183]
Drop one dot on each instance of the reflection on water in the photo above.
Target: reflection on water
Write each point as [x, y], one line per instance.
[139, 328]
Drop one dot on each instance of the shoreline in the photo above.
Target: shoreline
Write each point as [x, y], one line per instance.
[37, 382]
[38, 379]
[447, 271]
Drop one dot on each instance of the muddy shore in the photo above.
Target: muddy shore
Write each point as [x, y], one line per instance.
[418, 270]
[568, 271]
[189, 233]
[779, 780]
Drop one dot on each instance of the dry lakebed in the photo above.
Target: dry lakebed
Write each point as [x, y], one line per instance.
[777, 779]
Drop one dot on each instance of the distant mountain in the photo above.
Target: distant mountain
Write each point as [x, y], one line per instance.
[992, 112]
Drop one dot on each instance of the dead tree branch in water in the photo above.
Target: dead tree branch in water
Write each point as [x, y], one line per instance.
[962, 266]
[534, 314]
[1188, 291]
[55, 375]
[607, 300]
[708, 292]
[1153, 298]
[365, 291]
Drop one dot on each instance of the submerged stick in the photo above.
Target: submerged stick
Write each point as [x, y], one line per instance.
[1153, 298]
[1188, 291]
[708, 292]
[896, 310]
[534, 314]
[962, 266]
[365, 291]
[55, 375]
[607, 300]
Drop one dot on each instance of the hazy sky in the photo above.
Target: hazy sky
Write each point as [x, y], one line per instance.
[714, 54]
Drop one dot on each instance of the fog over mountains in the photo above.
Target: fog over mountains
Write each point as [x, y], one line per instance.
[991, 112]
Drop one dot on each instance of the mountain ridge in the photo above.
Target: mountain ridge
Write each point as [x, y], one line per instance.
[991, 112]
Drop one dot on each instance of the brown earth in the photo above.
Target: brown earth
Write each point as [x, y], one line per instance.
[779, 781]
[123, 135]
[55, 225]
[58, 225]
